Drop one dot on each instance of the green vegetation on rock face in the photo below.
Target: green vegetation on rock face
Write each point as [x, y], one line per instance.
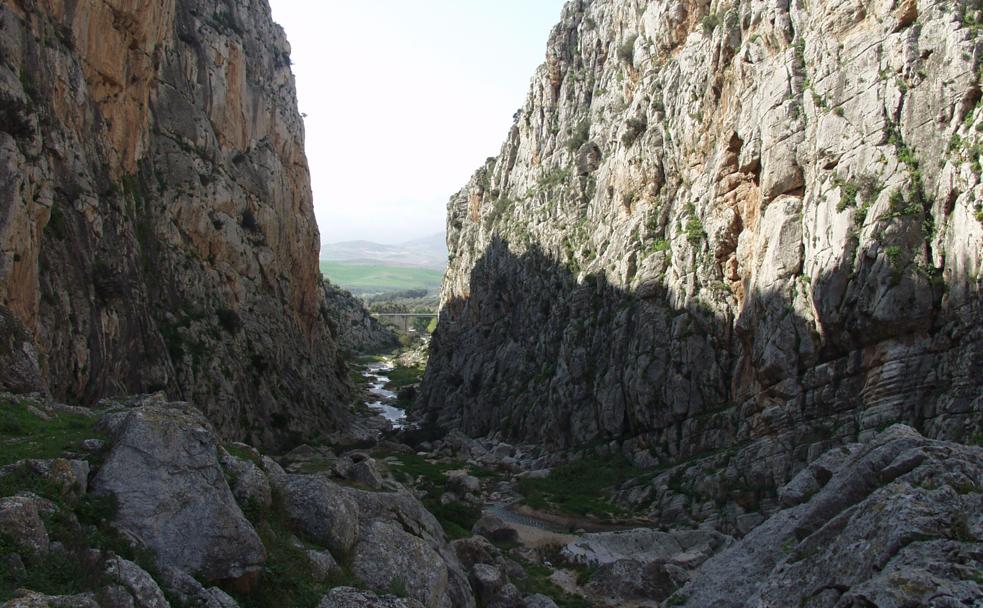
[380, 278]
[25, 434]
[288, 578]
[431, 477]
[580, 487]
[537, 580]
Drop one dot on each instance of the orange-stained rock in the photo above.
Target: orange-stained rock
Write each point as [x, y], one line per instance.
[156, 218]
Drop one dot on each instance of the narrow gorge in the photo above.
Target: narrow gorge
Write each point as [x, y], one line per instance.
[709, 334]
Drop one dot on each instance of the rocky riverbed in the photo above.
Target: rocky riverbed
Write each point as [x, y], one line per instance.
[382, 399]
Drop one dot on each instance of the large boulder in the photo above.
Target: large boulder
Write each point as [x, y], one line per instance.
[388, 557]
[495, 529]
[407, 523]
[487, 581]
[896, 523]
[475, 550]
[173, 497]
[539, 600]
[629, 579]
[320, 510]
[20, 521]
[689, 548]
[250, 484]
[140, 585]
[189, 592]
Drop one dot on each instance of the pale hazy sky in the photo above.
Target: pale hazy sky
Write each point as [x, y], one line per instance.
[404, 100]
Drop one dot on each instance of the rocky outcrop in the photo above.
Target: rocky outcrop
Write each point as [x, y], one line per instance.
[170, 510]
[895, 524]
[357, 330]
[156, 223]
[163, 470]
[730, 234]
[349, 597]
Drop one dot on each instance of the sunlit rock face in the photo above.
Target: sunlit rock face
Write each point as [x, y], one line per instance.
[745, 232]
[156, 223]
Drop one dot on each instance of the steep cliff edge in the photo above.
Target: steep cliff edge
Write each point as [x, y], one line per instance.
[731, 234]
[156, 222]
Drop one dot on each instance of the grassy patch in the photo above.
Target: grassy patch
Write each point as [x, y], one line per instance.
[400, 377]
[25, 435]
[83, 524]
[241, 453]
[538, 581]
[380, 277]
[579, 488]
[431, 477]
[695, 232]
[288, 577]
[54, 574]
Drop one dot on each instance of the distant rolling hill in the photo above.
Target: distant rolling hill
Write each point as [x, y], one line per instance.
[428, 252]
[367, 267]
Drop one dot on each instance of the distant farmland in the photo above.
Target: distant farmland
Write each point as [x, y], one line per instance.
[380, 278]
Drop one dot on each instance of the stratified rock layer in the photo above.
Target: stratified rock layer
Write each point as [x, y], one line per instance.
[156, 224]
[897, 523]
[730, 234]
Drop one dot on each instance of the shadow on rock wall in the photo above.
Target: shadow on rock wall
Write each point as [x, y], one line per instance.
[542, 357]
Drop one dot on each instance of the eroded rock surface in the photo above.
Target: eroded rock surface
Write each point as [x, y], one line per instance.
[156, 223]
[730, 234]
[897, 523]
[172, 495]
[356, 329]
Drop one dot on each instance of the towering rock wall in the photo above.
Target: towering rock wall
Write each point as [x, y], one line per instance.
[156, 222]
[740, 231]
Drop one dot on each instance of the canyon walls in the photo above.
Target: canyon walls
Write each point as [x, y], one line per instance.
[156, 221]
[726, 233]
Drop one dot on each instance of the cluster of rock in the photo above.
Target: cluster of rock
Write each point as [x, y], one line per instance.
[730, 234]
[357, 331]
[181, 495]
[156, 220]
[893, 521]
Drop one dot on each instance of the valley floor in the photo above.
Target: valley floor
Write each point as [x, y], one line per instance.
[139, 503]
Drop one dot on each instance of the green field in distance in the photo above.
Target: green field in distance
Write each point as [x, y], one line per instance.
[380, 278]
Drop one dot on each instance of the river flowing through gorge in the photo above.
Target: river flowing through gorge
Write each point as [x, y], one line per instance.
[381, 398]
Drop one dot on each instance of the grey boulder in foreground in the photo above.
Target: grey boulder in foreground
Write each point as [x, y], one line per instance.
[897, 523]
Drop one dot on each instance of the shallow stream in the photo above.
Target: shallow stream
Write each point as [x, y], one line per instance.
[382, 400]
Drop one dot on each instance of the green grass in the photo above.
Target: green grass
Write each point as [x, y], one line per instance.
[66, 573]
[538, 581]
[412, 469]
[579, 488]
[287, 578]
[241, 453]
[24, 435]
[401, 376]
[380, 278]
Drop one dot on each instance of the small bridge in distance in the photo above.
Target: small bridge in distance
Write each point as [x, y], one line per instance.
[402, 320]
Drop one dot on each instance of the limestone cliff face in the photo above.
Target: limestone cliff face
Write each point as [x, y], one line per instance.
[750, 230]
[357, 330]
[156, 222]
